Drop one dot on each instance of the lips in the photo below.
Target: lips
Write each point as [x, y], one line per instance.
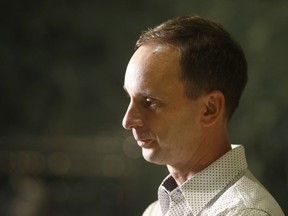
[143, 139]
[146, 143]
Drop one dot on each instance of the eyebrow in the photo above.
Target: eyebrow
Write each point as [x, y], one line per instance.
[143, 94]
[147, 94]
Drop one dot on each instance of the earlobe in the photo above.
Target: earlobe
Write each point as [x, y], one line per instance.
[213, 108]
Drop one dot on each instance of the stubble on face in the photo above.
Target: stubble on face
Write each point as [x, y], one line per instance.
[167, 132]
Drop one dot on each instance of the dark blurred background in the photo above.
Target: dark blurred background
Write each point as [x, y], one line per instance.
[62, 148]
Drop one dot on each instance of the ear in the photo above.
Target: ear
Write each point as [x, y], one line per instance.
[214, 108]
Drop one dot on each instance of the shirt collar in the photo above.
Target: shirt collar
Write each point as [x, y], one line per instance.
[207, 184]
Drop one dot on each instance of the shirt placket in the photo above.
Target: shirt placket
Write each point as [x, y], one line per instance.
[178, 205]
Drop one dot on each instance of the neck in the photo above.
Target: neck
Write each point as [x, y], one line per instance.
[202, 158]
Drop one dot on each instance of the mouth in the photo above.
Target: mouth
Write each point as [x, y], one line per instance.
[145, 143]
[144, 139]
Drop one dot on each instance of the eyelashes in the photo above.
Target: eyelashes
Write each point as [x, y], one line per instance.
[151, 103]
[145, 101]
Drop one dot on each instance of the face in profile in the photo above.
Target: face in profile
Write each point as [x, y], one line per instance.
[164, 122]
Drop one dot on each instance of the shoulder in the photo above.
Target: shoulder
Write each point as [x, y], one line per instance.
[153, 209]
[253, 192]
[253, 198]
[244, 197]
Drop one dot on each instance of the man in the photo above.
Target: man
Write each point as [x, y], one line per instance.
[184, 81]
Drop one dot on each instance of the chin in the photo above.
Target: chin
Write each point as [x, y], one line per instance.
[153, 157]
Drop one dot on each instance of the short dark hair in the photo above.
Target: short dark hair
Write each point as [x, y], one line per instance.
[210, 58]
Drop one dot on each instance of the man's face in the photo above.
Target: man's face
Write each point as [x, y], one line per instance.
[163, 121]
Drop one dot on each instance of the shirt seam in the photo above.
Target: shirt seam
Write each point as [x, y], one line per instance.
[257, 209]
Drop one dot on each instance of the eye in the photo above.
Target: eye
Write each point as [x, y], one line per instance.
[151, 103]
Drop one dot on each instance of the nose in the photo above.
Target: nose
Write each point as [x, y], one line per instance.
[132, 117]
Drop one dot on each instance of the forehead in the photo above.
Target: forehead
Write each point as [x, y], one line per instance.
[153, 66]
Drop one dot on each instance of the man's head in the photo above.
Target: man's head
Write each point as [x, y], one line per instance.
[210, 58]
[178, 85]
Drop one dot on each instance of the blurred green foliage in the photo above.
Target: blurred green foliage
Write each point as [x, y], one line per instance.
[62, 148]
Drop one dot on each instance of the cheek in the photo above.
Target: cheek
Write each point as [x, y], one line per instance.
[171, 130]
[183, 128]
[177, 124]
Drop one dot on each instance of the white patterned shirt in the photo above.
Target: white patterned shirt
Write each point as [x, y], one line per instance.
[226, 187]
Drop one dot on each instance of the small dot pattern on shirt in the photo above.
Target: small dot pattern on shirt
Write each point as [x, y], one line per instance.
[225, 188]
[175, 204]
[204, 186]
